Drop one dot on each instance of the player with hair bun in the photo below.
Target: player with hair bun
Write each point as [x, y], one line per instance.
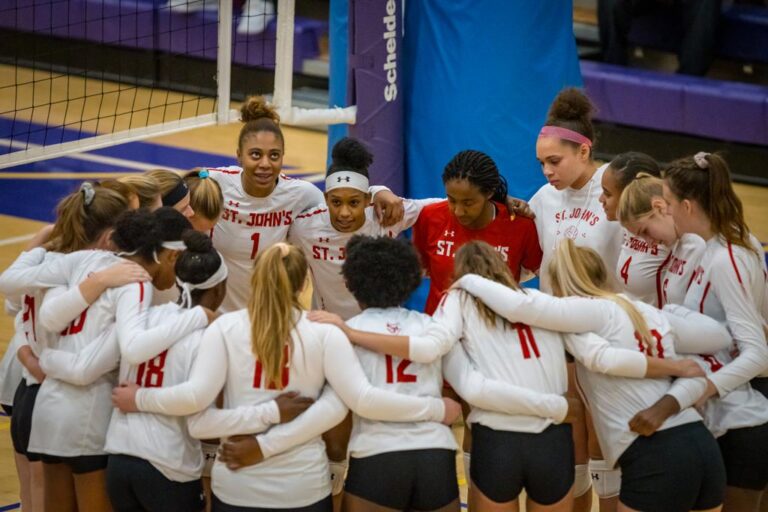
[261, 203]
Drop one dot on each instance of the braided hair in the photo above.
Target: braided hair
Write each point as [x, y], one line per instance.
[478, 169]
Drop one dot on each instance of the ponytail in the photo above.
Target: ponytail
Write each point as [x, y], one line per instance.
[627, 166]
[480, 258]
[145, 187]
[83, 216]
[480, 170]
[706, 179]
[279, 274]
[581, 272]
[205, 195]
[637, 197]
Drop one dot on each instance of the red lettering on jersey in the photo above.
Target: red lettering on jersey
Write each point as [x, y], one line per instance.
[151, 373]
[284, 375]
[712, 361]
[401, 375]
[647, 350]
[29, 314]
[527, 341]
[76, 326]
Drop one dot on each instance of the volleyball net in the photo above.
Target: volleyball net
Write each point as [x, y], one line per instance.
[78, 75]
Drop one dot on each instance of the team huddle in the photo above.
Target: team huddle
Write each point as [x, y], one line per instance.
[163, 361]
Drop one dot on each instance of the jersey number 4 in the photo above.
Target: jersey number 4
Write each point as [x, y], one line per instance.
[151, 373]
[624, 272]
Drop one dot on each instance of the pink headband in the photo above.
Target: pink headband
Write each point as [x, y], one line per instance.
[565, 134]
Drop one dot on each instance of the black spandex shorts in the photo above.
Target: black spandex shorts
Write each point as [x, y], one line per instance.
[405, 480]
[135, 485]
[504, 463]
[745, 454]
[7, 409]
[760, 384]
[80, 465]
[677, 469]
[324, 505]
[21, 422]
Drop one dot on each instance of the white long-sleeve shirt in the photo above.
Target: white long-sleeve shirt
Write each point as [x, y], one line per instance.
[578, 215]
[72, 420]
[613, 400]
[248, 225]
[640, 269]
[729, 285]
[679, 269]
[325, 248]
[298, 477]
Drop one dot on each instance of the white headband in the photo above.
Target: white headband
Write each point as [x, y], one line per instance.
[346, 179]
[186, 288]
[174, 245]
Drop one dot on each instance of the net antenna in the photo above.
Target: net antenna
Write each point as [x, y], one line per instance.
[35, 134]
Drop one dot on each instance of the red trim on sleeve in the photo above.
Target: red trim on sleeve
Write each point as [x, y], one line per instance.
[659, 273]
[733, 262]
[225, 170]
[141, 292]
[704, 297]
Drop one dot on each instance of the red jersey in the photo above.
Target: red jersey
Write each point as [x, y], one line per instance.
[437, 236]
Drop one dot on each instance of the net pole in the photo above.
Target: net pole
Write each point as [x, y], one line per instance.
[224, 62]
[283, 97]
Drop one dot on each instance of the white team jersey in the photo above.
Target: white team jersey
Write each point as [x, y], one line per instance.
[729, 285]
[402, 376]
[514, 353]
[743, 407]
[614, 401]
[11, 369]
[325, 247]
[70, 420]
[250, 224]
[162, 440]
[640, 269]
[578, 215]
[679, 270]
[300, 476]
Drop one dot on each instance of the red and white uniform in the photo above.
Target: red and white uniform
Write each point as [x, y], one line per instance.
[71, 420]
[325, 247]
[371, 437]
[640, 269]
[225, 359]
[250, 224]
[680, 268]
[10, 366]
[729, 285]
[614, 400]
[578, 215]
[437, 236]
[164, 441]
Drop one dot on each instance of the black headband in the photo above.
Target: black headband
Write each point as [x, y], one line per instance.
[176, 194]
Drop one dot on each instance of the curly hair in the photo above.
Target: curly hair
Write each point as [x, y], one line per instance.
[397, 271]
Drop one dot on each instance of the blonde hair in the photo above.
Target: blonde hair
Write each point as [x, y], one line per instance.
[279, 274]
[145, 188]
[581, 272]
[637, 197]
[479, 258]
[205, 195]
[166, 180]
[81, 220]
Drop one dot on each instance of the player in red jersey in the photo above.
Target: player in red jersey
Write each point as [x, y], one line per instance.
[474, 210]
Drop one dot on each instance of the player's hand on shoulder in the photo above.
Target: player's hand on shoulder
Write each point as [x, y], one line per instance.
[519, 207]
[326, 317]
[389, 208]
[124, 397]
[452, 411]
[292, 404]
[238, 452]
[122, 273]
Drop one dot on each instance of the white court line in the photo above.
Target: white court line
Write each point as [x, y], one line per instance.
[16, 239]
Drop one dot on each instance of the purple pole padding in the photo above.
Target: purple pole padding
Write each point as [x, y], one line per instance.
[375, 67]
